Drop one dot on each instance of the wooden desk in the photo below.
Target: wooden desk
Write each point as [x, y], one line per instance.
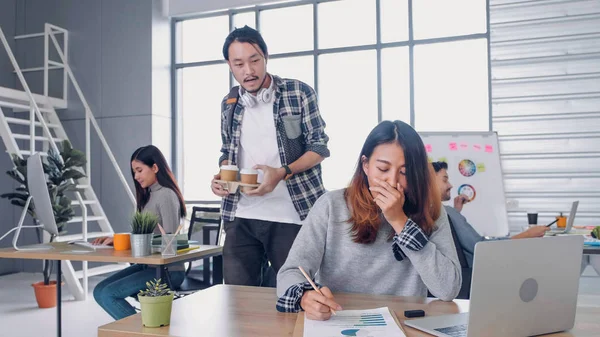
[234, 311]
[62, 251]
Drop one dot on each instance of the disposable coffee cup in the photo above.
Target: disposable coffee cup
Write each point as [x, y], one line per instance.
[532, 218]
[229, 172]
[249, 176]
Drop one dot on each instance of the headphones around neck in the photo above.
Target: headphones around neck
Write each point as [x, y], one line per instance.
[264, 95]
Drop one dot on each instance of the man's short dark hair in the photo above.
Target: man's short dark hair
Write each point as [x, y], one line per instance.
[439, 165]
[245, 34]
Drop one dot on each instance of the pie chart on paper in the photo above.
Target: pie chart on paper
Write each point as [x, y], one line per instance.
[355, 332]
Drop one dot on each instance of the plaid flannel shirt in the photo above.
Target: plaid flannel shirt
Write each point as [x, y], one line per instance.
[411, 237]
[290, 301]
[300, 129]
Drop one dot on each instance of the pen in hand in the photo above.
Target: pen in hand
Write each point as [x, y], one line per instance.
[314, 286]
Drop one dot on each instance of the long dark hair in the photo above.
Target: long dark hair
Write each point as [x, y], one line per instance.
[422, 201]
[150, 155]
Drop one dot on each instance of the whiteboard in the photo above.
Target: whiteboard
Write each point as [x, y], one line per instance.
[474, 169]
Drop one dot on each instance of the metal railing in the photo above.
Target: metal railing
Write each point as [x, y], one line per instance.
[33, 112]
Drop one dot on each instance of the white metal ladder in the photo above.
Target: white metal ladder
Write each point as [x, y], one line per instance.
[32, 112]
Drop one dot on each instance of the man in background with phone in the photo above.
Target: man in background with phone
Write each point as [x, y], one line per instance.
[466, 234]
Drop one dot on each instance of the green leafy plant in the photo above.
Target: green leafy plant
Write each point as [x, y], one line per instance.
[58, 174]
[596, 232]
[155, 288]
[143, 223]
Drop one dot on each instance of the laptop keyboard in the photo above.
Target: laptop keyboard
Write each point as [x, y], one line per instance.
[454, 331]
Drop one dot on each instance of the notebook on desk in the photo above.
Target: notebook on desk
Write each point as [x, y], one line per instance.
[182, 241]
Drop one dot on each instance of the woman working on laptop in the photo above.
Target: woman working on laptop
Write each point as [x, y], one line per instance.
[386, 233]
[156, 192]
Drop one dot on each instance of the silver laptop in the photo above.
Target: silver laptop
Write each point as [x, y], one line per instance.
[520, 287]
[570, 221]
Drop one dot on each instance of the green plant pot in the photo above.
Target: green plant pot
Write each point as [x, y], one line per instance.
[156, 311]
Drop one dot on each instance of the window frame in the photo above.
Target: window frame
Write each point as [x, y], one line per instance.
[315, 52]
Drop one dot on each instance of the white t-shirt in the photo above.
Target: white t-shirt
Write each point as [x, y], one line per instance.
[258, 146]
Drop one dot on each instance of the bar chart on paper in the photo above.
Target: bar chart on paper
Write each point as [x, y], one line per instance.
[366, 323]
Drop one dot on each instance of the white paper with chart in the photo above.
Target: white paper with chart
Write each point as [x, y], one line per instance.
[367, 323]
[475, 170]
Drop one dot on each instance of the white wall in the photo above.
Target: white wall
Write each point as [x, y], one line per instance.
[180, 8]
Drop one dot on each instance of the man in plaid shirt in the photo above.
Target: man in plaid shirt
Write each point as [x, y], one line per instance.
[273, 125]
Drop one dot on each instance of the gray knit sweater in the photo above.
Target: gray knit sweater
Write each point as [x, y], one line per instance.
[324, 248]
[165, 204]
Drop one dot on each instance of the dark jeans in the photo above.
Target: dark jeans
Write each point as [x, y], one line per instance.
[111, 292]
[250, 245]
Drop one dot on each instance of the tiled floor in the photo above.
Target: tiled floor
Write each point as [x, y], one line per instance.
[20, 316]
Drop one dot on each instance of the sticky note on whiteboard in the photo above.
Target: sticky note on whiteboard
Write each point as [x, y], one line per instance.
[477, 147]
[464, 146]
[453, 146]
[480, 167]
[428, 148]
[489, 149]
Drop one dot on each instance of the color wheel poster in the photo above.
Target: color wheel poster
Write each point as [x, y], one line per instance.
[475, 172]
[366, 323]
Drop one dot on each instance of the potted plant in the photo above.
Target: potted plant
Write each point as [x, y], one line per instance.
[596, 232]
[142, 227]
[59, 174]
[156, 303]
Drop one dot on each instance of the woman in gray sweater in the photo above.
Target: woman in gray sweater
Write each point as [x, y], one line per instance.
[387, 233]
[156, 192]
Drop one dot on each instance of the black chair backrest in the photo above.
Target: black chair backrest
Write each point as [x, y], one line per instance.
[206, 220]
[465, 289]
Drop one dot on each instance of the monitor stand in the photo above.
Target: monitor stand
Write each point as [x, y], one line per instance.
[18, 231]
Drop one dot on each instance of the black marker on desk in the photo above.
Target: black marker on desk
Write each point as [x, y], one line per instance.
[414, 313]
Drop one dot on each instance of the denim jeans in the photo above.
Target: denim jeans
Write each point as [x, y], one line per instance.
[111, 292]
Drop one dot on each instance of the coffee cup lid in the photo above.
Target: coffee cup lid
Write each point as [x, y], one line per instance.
[248, 171]
[229, 167]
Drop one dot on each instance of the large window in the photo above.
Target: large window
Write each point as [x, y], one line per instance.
[424, 62]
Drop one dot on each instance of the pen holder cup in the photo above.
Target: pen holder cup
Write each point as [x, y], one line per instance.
[168, 246]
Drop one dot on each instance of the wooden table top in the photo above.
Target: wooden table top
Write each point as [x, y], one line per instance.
[65, 251]
[235, 311]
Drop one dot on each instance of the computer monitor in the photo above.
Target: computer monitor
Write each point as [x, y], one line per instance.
[38, 193]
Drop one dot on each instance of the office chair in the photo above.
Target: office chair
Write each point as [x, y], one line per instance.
[210, 218]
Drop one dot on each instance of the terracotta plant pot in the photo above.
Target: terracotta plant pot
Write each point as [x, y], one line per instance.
[45, 295]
